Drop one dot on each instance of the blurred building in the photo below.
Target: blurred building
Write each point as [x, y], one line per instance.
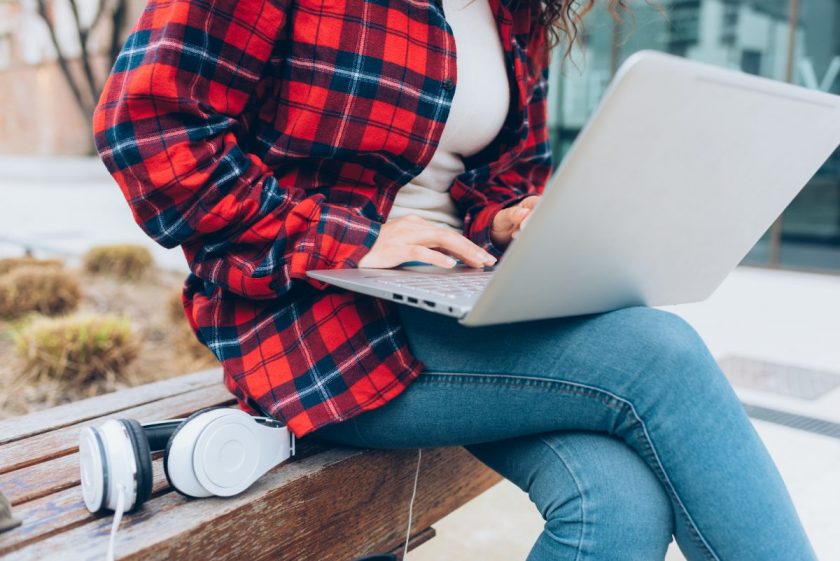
[39, 113]
[791, 40]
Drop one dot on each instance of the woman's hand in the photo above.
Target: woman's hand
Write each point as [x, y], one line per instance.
[508, 222]
[411, 238]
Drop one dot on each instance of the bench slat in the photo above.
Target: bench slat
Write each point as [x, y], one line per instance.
[333, 505]
[59, 512]
[63, 441]
[416, 540]
[17, 428]
[64, 509]
[40, 480]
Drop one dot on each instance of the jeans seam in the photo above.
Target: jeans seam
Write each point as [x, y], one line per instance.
[602, 395]
[580, 494]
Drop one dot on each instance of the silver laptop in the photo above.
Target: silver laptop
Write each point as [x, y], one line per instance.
[675, 177]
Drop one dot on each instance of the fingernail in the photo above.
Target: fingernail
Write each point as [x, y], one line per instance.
[522, 210]
[451, 262]
[513, 235]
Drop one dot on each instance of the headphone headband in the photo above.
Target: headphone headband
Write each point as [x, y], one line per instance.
[158, 432]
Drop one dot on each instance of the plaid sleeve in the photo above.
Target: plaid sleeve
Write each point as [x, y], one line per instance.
[167, 127]
[526, 177]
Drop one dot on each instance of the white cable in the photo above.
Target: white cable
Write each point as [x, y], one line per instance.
[118, 514]
[411, 504]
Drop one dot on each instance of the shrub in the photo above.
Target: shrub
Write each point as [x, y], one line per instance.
[77, 349]
[187, 345]
[9, 264]
[175, 307]
[124, 261]
[50, 290]
[183, 339]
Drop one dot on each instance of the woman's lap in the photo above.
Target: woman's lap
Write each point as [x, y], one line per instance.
[639, 374]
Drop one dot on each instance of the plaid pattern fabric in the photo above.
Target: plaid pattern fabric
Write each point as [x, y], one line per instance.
[268, 138]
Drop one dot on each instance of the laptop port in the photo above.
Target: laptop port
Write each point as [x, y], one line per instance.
[429, 304]
[412, 300]
[398, 297]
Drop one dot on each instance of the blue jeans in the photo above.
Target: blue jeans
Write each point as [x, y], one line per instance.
[619, 426]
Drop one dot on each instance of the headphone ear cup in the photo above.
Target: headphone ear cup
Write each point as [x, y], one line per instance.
[182, 477]
[232, 450]
[142, 458]
[95, 471]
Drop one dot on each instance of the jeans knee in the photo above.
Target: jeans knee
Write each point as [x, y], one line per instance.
[658, 331]
[664, 346]
[618, 503]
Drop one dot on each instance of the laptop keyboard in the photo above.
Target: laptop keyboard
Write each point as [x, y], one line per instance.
[450, 285]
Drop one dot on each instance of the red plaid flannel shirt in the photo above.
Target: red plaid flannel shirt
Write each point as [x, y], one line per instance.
[268, 138]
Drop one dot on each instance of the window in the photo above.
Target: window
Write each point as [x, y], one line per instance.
[750, 35]
[809, 236]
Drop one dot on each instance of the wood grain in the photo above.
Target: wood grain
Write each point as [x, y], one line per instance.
[325, 504]
[63, 509]
[60, 511]
[416, 540]
[63, 441]
[333, 505]
[78, 411]
[40, 480]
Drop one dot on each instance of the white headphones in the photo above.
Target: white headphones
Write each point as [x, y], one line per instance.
[215, 451]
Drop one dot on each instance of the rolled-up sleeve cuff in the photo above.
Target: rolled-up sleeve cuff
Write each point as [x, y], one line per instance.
[343, 237]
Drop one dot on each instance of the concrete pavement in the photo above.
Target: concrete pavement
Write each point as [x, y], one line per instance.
[64, 206]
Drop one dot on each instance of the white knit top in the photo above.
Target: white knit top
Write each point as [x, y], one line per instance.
[479, 108]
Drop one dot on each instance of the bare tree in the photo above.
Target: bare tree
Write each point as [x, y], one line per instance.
[85, 86]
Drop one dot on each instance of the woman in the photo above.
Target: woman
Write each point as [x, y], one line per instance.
[271, 137]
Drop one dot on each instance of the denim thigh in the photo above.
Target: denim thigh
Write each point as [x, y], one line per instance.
[639, 374]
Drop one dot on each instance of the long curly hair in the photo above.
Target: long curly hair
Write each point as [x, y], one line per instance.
[562, 19]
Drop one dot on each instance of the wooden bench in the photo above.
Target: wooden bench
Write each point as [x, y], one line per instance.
[326, 504]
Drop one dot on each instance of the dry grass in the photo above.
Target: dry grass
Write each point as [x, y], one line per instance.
[8, 264]
[32, 287]
[165, 344]
[125, 261]
[184, 338]
[77, 350]
[175, 306]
